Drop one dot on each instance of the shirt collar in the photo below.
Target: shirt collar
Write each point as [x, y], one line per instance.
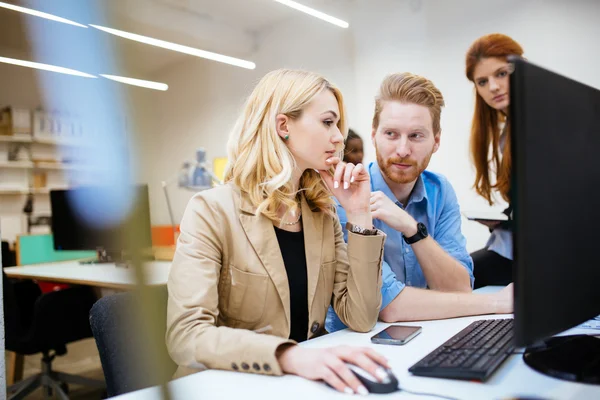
[378, 183]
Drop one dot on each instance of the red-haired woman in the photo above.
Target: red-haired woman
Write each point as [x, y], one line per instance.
[487, 67]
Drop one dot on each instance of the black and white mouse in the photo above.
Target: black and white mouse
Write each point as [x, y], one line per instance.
[388, 385]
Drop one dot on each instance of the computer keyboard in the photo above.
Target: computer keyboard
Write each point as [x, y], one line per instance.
[474, 353]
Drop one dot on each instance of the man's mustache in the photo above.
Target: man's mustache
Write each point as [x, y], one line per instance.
[398, 160]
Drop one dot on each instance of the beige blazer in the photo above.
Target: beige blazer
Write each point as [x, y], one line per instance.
[229, 300]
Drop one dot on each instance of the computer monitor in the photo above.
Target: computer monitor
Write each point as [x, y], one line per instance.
[112, 240]
[555, 139]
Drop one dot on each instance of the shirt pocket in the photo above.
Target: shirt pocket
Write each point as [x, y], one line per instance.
[328, 280]
[247, 295]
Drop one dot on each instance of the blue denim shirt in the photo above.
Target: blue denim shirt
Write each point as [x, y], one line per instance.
[432, 202]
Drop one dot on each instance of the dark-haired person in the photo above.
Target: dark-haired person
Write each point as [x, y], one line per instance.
[354, 149]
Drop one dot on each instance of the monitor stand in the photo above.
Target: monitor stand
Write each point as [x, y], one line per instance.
[573, 358]
[104, 257]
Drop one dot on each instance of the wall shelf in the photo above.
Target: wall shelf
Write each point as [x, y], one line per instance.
[44, 165]
[38, 140]
[16, 164]
[13, 139]
[23, 191]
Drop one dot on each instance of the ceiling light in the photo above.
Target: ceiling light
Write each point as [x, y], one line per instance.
[314, 13]
[179, 48]
[40, 14]
[138, 82]
[46, 67]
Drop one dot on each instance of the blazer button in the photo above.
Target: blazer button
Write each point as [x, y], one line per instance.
[245, 366]
[266, 367]
[234, 366]
[315, 327]
[256, 367]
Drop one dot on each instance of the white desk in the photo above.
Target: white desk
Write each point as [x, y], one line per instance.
[98, 275]
[513, 378]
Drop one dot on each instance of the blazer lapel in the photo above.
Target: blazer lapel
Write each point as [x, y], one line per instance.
[261, 234]
[312, 225]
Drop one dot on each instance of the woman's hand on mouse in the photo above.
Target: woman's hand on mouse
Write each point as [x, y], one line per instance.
[329, 365]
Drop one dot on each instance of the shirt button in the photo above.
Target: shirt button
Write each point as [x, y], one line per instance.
[245, 366]
[315, 327]
[406, 250]
[256, 367]
[266, 367]
[234, 367]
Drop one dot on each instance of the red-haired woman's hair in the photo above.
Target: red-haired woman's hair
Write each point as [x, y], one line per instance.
[485, 132]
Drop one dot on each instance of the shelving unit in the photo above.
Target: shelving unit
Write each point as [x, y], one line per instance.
[21, 183]
[22, 191]
[49, 141]
[43, 165]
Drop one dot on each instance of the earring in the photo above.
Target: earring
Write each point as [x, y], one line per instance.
[286, 137]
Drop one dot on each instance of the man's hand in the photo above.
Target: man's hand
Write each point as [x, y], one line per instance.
[384, 209]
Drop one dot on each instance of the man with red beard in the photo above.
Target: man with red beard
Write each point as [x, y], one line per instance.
[427, 272]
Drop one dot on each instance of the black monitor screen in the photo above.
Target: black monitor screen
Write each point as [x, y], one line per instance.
[72, 231]
[555, 134]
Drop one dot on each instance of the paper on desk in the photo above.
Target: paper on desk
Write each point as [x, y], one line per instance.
[592, 323]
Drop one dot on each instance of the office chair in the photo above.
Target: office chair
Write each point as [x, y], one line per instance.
[119, 337]
[45, 323]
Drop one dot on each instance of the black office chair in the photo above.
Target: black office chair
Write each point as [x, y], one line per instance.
[127, 365]
[45, 323]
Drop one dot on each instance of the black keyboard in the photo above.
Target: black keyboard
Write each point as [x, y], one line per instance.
[473, 353]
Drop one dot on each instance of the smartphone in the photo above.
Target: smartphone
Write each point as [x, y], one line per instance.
[396, 334]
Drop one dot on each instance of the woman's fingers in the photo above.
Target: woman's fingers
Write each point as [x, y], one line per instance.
[333, 380]
[358, 169]
[338, 175]
[378, 358]
[343, 372]
[365, 362]
[348, 175]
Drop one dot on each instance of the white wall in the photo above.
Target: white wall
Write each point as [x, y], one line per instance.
[205, 98]
[431, 38]
[425, 37]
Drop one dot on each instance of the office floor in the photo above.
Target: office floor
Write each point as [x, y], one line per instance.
[81, 359]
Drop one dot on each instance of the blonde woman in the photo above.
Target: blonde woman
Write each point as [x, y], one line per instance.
[260, 258]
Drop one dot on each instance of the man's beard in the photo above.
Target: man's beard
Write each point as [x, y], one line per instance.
[399, 176]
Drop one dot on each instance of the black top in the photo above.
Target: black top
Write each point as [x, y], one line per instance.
[294, 258]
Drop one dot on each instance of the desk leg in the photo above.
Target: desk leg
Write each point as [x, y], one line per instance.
[14, 372]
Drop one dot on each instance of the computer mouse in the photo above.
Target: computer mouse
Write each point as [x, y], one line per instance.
[388, 385]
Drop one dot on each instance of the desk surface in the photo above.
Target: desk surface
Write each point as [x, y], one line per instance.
[512, 379]
[99, 275]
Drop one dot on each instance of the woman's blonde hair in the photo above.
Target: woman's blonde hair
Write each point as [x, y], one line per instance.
[259, 161]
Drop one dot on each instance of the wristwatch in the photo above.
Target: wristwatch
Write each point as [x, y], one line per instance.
[360, 230]
[421, 234]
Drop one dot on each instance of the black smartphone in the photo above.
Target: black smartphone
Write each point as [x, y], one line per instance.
[396, 334]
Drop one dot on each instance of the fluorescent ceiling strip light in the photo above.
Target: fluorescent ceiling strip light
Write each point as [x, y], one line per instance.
[178, 47]
[40, 14]
[138, 82]
[314, 13]
[46, 67]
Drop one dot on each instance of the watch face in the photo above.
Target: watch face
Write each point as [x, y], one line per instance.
[422, 228]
